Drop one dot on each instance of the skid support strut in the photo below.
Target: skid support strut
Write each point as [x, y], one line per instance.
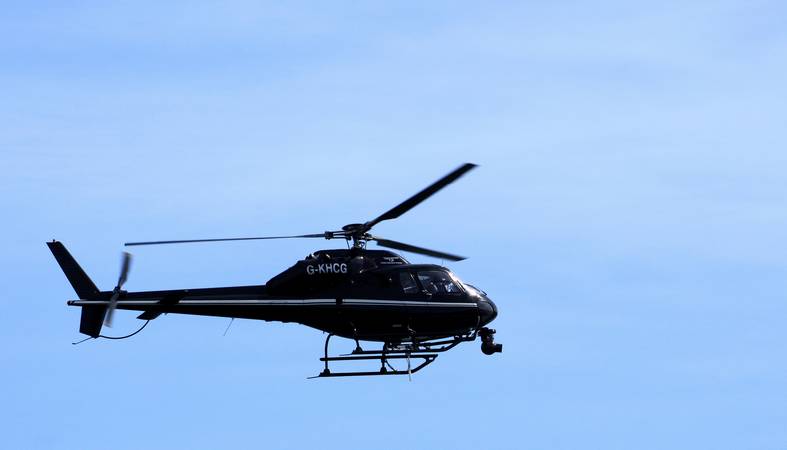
[424, 351]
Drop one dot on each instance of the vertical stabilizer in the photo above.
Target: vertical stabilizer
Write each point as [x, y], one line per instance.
[82, 284]
[92, 316]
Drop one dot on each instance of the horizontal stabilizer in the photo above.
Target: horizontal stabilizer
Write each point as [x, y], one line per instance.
[148, 315]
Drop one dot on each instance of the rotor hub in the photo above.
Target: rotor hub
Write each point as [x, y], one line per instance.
[352, 227]
[356, 232]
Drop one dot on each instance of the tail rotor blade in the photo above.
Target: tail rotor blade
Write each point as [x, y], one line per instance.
[113, 301]
[124, 269]
[111, 308]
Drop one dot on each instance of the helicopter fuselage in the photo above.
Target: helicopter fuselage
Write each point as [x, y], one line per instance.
[373, 295]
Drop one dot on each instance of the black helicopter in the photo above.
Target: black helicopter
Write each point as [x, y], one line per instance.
[415, 310]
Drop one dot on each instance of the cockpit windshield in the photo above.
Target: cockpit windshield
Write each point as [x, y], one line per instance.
[437, 282]
[474, 289]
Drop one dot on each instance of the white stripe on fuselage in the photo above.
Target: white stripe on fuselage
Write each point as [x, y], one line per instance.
[310, 301]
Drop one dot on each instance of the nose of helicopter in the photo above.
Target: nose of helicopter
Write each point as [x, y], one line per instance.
[487, 310]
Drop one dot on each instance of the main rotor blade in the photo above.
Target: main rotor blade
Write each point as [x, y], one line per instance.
[321, 235]
[411, 202]
[413, 249]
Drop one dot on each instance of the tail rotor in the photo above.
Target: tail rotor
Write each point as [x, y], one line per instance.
[124, 268]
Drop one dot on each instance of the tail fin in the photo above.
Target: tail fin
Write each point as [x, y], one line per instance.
[82, 284]
[92, 316]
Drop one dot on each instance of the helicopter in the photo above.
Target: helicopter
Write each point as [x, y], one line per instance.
[416, 311]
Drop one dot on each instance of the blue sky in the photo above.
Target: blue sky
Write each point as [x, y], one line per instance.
[628, 216]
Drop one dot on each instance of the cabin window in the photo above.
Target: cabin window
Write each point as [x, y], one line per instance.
[408, 283]
[436, 282]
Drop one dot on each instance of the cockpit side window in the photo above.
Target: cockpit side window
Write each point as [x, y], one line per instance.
[408, 283]
[436, 282]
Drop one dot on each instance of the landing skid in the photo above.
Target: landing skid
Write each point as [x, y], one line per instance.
[424, 351]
